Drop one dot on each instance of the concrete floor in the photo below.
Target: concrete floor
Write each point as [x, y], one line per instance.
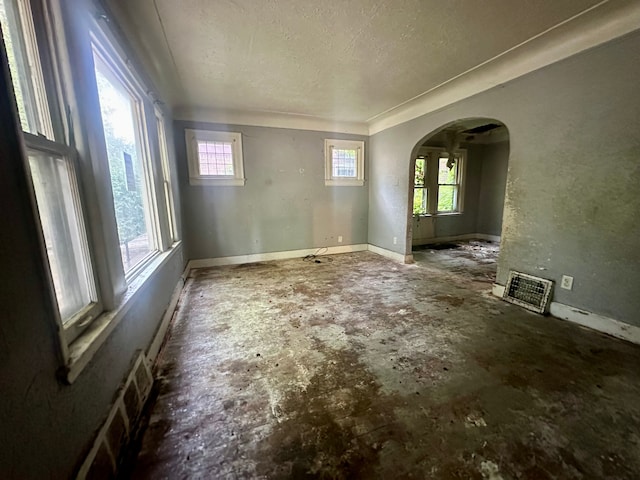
[359, 367]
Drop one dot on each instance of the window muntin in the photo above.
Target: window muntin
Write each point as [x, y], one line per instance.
[344, 162]
[215, 158]
[122, 124]
[25, 66]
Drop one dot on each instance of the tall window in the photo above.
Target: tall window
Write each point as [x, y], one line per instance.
[52, 164]
[448, 183]
[166, 177]
[437, 184]
[123, 132]
[420, 189]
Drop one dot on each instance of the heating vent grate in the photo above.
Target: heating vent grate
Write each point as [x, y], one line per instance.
[530, 292]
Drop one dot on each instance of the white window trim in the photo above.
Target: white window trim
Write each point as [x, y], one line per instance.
[329, 179]
[432, 154]
[195, 177]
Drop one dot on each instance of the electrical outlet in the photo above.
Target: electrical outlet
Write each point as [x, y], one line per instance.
[395, 240]
[339, 238]
[567, 282]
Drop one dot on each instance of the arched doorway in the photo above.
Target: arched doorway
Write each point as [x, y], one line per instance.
[457, 190]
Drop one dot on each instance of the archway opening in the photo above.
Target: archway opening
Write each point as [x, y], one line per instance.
[457, 191]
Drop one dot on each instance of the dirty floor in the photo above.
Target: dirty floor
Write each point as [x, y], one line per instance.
[359, 367]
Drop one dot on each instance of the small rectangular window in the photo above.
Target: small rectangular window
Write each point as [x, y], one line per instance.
[344, 162]
[215, 158]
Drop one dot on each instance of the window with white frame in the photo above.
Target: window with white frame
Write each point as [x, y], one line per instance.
[129, 164]
[71, 155]
[214, 158]
[52, 164]
[438, 182]
[344, 162]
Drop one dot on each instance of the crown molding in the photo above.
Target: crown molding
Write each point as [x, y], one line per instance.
[601, 23]
[269, 119]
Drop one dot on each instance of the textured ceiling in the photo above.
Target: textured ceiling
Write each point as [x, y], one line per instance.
[336, 59]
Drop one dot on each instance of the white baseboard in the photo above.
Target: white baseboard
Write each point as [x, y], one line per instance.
[456, 238]
[265, 257]
[607, 325]
[154, 348]
[398, 257]
[498, 290]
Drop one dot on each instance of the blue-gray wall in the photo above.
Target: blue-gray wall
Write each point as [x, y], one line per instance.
[572, 196]
[284, 204]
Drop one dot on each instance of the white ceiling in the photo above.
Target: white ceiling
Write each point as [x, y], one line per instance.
[346, 60]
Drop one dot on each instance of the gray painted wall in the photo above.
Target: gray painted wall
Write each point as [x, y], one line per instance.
[284, 204]
[47, 426]
[493, 182]
[572, 196]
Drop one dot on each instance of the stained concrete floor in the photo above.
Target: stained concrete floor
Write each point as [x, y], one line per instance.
[359, 367]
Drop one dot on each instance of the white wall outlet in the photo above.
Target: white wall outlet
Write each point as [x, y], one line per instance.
[339, 238]
[395, 240]
[567, 282]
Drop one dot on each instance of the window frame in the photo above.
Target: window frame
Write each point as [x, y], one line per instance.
[64, 36]
[432, 156]
[193, 136]
[338, 181]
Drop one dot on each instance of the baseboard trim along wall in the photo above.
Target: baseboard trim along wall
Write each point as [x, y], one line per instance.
[467, 236]
[398, 257]
[265, 257]
[602, 324]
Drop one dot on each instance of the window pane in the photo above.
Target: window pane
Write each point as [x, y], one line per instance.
[120, 123]
[168, 194]
[420, 172]
[64, 232]
[447, 198]
[447, 175]
[24, 64]
[215, 158]
[419, 201]
[344, 162]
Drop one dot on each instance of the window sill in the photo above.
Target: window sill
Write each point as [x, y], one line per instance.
[442, 214]
[84, 348]
[344, 183]
[217, 182]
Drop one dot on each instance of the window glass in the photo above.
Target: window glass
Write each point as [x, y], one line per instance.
[344, 162]
[24, 63]
[215, 158]
[420, 191]
[120, 119]
[166, 177]
[447, 186]
[63, 229]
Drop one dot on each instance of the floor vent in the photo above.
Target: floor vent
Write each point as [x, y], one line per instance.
[530, 292]
[118, 430]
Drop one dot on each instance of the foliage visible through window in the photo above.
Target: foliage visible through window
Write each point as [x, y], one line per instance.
[447, 184]
[120, 123]
[437, 179]
[420, 187]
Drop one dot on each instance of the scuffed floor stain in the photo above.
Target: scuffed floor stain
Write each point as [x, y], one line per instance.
[364, 368]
